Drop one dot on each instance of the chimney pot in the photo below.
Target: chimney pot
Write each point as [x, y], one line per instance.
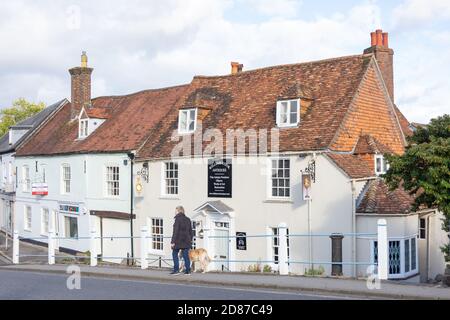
[379, 37]
[373, 39]
[386, 39]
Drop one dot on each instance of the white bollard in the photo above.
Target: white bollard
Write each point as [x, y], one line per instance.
[383, 255]
[51, 247]
[93, 247]
[144, 247]
[283, 253]
[15, 254]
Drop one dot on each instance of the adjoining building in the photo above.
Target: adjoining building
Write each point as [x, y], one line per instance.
[16, 135]
[86, 151]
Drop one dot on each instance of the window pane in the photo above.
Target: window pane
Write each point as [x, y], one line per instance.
[183, 120]
[413, 254]
[378, 165]
[407, 255]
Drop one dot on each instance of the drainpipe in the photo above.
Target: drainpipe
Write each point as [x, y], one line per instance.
[131, 156]
[353, 227]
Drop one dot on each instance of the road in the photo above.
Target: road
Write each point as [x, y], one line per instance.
[31, 285]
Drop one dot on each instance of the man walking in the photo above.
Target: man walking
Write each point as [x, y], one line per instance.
[181, 240]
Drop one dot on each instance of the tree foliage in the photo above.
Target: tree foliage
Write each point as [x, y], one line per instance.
[20, 110]
[424, 169]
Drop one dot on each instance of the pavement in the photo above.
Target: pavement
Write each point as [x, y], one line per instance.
[19, 285]
[298, 284]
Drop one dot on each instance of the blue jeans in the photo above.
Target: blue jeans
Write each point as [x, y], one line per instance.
[176, 263]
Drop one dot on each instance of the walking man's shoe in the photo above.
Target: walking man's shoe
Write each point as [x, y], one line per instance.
[175, 273]
[187, 273]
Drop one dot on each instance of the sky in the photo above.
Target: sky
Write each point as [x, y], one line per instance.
[135, 45]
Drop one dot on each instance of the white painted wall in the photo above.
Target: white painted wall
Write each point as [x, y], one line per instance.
[88, 191]
[255, 212]
[438, 238]
[399, 227]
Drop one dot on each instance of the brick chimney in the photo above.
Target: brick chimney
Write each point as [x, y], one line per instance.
[236, 67]
[385, 57]
[80, 86]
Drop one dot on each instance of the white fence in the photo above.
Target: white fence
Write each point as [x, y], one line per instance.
[283, 257]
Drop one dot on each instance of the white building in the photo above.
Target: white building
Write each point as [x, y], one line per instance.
[17, 135]
[300, 145]
[74, 173]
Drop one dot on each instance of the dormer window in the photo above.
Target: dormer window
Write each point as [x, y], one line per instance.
[84, 125]
[288, 113]
[187, 120]
[381, 164]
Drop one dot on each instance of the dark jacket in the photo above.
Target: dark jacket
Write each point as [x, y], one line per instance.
[182, 232]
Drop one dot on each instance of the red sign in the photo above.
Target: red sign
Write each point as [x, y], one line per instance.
[39, 189]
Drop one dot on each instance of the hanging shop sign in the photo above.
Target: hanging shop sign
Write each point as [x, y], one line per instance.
[219, 178]
[39, 189]
[306, 183]
[241, 240]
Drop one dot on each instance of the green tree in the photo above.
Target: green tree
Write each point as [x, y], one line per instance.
[424, 169]
[20, 110]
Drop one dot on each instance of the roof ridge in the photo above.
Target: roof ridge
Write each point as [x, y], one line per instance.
[285, 65]
[142, 91]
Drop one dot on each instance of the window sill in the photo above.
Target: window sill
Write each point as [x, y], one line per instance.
[290, 126]
[280, 200]
[165, 197]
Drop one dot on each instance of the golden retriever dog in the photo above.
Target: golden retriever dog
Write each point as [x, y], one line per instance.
[196, 255]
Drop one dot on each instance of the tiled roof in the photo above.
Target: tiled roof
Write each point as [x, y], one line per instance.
[368, 144]
[353, 165]
[98, 113]
[247, 100]
[131, 118]
[404, 123]
[30, 123]
[377, 198]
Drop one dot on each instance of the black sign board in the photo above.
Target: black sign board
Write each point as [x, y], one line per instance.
[241, 240]
[219, 178]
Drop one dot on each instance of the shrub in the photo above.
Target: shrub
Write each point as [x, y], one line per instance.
[315, 272]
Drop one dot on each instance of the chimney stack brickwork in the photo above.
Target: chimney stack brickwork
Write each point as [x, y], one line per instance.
[80, 87]
[385, 58]
[236, 67]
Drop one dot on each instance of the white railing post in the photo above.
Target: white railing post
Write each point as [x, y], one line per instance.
[207, 245]
[15, 254]
[51, 247]
[144, 247]
[93, 247]
[383, 255]
[283, 249]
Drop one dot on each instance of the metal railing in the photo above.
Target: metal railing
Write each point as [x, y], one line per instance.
[283, 261]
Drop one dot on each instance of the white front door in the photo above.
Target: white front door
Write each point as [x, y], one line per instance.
[221, 249]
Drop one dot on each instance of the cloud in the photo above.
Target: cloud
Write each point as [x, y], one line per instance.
[280, 8]
[139, 44]
[415, 12]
